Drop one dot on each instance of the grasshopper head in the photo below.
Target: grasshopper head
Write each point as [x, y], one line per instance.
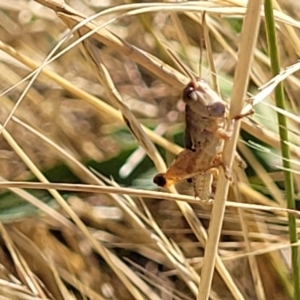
[203, 100]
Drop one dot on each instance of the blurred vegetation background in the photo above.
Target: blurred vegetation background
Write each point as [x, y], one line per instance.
[67, 129]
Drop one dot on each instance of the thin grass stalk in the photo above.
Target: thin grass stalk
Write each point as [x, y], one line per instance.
[241, 78]
[93, 188]
[284, 137]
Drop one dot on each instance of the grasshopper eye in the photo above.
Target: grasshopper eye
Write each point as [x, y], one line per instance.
[189, 93]
[217, 109]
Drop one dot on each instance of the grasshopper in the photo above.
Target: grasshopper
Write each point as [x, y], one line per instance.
[205, 118]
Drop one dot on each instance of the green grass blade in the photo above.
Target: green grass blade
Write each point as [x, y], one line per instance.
[288, 177]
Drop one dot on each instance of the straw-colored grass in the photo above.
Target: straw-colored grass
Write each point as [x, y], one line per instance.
[89, 91]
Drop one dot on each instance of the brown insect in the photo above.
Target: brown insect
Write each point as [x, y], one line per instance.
[205, 118]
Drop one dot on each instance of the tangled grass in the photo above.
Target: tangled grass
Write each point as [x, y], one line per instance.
[90, 91]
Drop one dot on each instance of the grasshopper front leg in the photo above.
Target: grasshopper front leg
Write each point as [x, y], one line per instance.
[224, 134]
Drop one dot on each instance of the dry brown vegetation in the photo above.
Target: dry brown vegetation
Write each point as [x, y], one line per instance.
[93, 239]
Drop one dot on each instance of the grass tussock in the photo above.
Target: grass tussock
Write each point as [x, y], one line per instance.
[91, 111]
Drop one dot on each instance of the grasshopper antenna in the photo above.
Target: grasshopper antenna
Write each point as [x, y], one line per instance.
[183, 68]
[205, 41]
[202, 43]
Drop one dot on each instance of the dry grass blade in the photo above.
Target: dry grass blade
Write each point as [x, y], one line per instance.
[265, 177]
[269, 87]
[149, 194]
[253, 263]
[36, 260]
[268, 136]
[209, 52]
[131, 122]
[85, 290]
[248, 41]
[22, 268]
